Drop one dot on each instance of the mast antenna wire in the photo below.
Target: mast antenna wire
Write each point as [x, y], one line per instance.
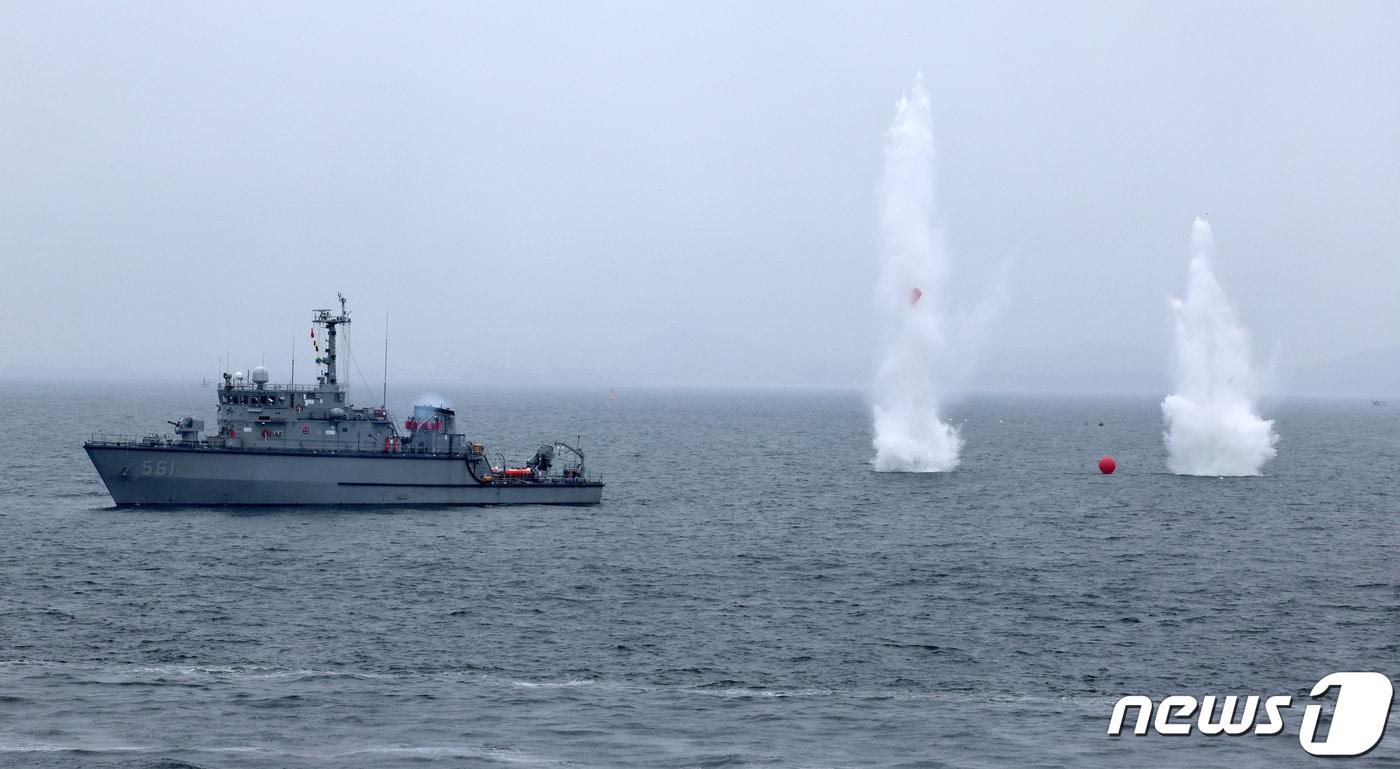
[350, 348]
[384, 395]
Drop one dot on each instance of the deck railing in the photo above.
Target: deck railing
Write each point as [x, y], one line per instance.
[294, 388]
[277, 446]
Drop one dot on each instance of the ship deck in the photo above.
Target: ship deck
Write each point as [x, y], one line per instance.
[166, 444]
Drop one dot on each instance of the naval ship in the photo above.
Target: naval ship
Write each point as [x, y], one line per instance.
[305, 445]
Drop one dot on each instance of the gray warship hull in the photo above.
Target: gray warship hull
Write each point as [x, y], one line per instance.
[202, 476]
[291, 444]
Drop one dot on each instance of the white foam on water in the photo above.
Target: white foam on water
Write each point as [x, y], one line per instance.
[554, 684]
[1212, 424]
[762, 693]
[244, 672]
[44, 747]
[489, 752]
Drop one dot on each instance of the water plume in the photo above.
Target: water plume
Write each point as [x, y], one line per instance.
[910, 435]
[1211, 424]
[432, 399]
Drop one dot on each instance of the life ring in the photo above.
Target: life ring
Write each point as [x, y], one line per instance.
[305, 429]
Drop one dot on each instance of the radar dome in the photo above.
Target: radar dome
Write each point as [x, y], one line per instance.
[259, 374]
[238, 375]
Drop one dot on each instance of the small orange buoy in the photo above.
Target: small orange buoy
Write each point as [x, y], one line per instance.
[1107, 465]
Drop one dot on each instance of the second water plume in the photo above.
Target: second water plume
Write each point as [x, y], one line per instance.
[910, 435]
[1211, 424]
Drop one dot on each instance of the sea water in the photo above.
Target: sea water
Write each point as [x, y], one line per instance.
[749, 594]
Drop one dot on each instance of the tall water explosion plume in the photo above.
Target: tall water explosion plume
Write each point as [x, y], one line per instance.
[910, 435]
[1212, 427]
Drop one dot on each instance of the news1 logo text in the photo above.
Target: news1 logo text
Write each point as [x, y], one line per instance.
[1357, 723]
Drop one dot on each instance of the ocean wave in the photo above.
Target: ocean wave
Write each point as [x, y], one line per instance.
[45, 747]
[254, 673]
[491, 752]
[161, 674]
[555, 684]
[156, 675]
[503, 754]
[744, 691]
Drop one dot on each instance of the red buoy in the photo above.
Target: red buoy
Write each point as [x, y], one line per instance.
[1107, 465]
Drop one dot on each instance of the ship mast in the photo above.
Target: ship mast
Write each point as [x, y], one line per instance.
[324, 318]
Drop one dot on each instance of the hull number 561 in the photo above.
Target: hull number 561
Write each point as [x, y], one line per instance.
[161, 467]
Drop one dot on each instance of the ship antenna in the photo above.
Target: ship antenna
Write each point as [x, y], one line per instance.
[323, 318]
[384, 395]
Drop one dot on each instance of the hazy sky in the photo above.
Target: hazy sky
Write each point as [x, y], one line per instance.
[607, 193]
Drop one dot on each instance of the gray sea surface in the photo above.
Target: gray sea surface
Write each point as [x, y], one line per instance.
[749, 594]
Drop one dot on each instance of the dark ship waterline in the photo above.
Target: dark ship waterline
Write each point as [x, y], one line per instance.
[304, 445]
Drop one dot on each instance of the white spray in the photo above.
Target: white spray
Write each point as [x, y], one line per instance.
[1211, 425]
[909, 435]
[432, 399]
